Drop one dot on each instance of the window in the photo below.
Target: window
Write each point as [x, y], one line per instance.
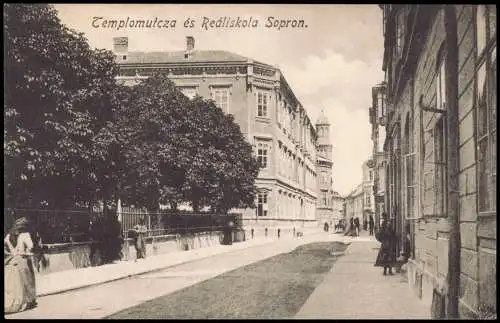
[381, 105]
[439, 135]
[279, 112]
[400, 22]
[221, 98]
[262, 204]
[324, 200]
[368, 200]
[441, 87]
[262, 154]
[409, 160]
[486, 103]
[263, 103]
[190, 92]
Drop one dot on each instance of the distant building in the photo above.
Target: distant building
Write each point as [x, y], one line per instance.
[268, 113]
[377, 120]
[338, 207]
[441, 73]
[354, 205]
[368, 196]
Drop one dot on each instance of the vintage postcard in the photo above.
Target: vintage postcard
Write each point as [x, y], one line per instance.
[260, 161]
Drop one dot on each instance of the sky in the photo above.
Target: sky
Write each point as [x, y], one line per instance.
[331, 62]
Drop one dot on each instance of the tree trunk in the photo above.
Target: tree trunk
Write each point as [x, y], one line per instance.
[173, 206]
[196, 205]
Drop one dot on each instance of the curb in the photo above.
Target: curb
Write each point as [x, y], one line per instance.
[182, 262]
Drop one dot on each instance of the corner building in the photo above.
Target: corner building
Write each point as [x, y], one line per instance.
[268, 113]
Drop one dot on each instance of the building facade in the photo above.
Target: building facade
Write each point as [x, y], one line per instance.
[267, 111]
[440, 67]
[338, 207]
[377, 120]
[368, 196]
[324, 163]
[354, 205]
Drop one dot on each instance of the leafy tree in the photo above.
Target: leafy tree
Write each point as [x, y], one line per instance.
[155, 140]
[184, 151]
[56, 103]
[224, 175]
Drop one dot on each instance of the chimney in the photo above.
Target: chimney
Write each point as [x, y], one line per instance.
[189, 44]
[120, 45]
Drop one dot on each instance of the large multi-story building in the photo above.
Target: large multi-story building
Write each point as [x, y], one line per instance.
[267, 111]
[441, 76]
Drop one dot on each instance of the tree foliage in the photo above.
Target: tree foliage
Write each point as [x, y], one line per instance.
[56, 103]
[185, 151]
[72, 135]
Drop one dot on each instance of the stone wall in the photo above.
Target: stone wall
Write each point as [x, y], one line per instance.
[68, 256]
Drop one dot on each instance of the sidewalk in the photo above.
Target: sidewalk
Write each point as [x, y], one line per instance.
[356, 289]
[63, 281]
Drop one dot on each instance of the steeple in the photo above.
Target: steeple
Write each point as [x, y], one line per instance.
[323, 130]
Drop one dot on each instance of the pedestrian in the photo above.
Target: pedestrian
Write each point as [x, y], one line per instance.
[279, 232]
[356, 225]
[386, 257]
[252, 232]
[265, 232]
[365, 225]
[19, 275]
[140, 231]
[371, 224]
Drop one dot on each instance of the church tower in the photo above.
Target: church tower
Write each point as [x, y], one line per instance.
[324, 143]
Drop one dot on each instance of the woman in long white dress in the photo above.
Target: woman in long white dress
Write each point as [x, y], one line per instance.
[19, 277]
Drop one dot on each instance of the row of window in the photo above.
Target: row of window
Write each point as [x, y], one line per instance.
[286, 118]
[289, 166]
[287, 206]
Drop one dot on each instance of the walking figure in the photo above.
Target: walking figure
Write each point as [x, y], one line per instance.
[279, 231]
[252, 232]
[356, 225]
[20, 284]
[371, 224]
[386, 257]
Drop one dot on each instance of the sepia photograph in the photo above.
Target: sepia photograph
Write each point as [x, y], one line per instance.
[250, 161]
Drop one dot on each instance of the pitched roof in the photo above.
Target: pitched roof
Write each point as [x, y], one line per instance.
[197, 56]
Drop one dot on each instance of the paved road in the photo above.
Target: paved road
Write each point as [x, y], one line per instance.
[103, 300]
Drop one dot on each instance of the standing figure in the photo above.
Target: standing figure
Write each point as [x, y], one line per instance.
[20, 285]
[139, 239]
[387, 254]
[252, 232]
[265, 232]
[279, 232]
[365, 225]
[356, 225]
[371, 224]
